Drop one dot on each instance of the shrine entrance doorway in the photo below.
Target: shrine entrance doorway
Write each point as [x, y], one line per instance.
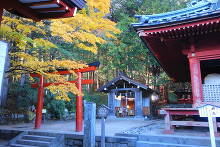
[125, 104]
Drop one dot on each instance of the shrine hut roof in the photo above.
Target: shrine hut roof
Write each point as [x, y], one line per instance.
[123, 82]
[168, 35]
[43, 9]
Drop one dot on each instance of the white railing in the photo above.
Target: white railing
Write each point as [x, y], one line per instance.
[211, 93]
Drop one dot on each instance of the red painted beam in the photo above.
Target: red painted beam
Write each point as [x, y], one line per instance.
[42, 3]
[23, 10]
[56, 15]
[65, 72]
[84, 82]
[51, 9]
[62, 6]
[79, 106]
[183, 112]
[87, 69]
[40, 102]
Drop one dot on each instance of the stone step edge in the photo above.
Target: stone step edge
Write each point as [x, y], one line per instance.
[37, 136]
[177, 136]
[162, 143]
[38, 133]
[34, 141]
[22, 145]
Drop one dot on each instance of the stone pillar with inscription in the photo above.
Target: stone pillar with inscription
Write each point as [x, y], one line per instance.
[4, 64]
[138, 103]
[111, 103]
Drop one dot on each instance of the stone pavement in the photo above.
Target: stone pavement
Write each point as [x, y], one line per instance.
[112, 126]
[3, 143]
[157, 127]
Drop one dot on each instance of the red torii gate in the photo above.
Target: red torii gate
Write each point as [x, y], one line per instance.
[79, 99]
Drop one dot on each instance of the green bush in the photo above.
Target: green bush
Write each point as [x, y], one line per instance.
[96, 97]
[20, 98]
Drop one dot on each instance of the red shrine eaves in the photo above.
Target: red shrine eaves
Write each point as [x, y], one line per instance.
[186, 44]
[42, 9]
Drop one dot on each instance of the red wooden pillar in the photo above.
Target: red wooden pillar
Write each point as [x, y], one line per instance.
[79, 105]
[196, 80]
[40, 102]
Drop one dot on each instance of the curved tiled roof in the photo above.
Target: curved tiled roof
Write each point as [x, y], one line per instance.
[195, 9]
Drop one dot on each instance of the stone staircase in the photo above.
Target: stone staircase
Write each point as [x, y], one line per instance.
[173, 141]
[37, 139]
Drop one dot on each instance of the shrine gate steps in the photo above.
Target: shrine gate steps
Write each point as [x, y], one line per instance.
[36, 139]
[173, 141]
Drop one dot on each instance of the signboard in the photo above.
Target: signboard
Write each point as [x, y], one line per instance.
[3, 67]
[210, 111]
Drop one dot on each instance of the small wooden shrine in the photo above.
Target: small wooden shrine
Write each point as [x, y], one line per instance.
[127, 97]
[186, 44]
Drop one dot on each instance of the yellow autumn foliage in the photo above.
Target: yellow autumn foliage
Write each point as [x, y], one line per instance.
[25, 56]
[29, 64]
[89, 27]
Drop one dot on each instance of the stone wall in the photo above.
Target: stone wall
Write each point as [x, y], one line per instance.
[74, 140]
[8, 134]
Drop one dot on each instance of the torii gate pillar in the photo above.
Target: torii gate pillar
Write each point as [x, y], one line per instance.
[40, 101]
[79, 105]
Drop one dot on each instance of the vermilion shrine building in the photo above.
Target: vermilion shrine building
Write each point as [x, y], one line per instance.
[186, 44]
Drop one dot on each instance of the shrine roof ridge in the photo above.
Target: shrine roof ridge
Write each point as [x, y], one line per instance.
[195, 9]
[122, 77]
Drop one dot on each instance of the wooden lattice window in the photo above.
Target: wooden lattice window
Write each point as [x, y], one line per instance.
[211, 93]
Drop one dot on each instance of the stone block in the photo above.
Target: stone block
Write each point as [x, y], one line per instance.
[78, 142]
[108, 144]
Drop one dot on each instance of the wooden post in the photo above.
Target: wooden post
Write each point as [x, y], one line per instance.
[196, 80]
[211, 130]
[79, 108]
[40, 102]
[89, 124]
[168, 127]
[215, 127]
